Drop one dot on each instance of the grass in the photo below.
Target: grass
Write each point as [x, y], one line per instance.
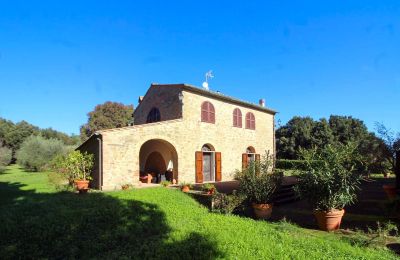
[38, 222]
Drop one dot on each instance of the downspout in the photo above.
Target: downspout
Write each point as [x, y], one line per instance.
[100, 160]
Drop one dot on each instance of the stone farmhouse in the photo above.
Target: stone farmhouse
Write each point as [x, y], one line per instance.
[194, 134]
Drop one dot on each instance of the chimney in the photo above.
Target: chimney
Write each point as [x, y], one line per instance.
[140, 99]
[262, 102]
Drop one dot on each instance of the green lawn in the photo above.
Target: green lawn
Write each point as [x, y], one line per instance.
[38, 222]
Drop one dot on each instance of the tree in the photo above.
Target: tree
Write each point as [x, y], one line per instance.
[295, 134]
[5, 157]
[347, 129]
[105, 116]
[392, 142]
[36, 152]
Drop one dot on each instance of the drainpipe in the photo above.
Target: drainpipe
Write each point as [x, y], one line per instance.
[100, 160]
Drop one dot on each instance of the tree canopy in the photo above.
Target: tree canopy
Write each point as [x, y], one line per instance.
[105, 116]
[307, 133]
[12, 135]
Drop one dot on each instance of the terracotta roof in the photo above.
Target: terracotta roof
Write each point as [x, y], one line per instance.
[218, 95]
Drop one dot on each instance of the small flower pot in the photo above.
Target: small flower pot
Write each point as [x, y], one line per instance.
[185, 188]
[390, 191]
[329, 220]
[262, 211]
[211, 191]
[82, 186]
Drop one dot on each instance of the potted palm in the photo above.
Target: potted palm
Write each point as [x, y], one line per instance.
[329, 182]
[79, 166]
[257, 183]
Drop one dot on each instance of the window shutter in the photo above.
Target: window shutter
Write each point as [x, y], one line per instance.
[218, 167]
[199, 167]
[244, 161]
[258, 159]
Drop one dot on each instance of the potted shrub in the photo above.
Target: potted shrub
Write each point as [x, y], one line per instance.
[185, 187]
[209, 188]
[257, 183]
[79, 166]
[331, 184]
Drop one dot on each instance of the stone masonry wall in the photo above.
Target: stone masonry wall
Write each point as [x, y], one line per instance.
[165, 98]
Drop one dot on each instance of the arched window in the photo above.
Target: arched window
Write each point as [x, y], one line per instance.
[207, 148]
[250, 149]
[154, 115]
[250, 121]
[207, 112]
[237, 118]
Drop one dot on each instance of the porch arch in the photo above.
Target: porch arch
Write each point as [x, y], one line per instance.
[156, 156]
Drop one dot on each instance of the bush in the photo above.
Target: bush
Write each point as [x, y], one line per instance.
[165, 183]
[36, 152]
[227, 204]
[75, 166]
[5, 157]
[333, 183]
[259, 181]
[293, 164]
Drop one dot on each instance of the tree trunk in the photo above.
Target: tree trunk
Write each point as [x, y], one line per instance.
[397, 171]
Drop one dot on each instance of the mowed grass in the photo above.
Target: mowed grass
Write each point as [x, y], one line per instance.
[155, 223]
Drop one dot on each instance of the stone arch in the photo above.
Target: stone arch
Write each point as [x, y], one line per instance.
[156, 156]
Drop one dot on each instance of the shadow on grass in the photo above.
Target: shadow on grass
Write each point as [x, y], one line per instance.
[65, 225]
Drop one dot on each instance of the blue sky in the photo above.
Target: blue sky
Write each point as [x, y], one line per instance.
[58, 59]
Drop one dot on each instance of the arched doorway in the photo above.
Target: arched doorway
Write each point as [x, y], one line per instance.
[160, 159]
[208, 165]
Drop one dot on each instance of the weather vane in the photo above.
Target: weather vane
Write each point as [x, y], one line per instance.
[208, 75]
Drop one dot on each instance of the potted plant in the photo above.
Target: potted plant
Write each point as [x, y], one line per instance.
[330, 181]
[257, 183]
[79, 166]
[209, 188]
[185, 187]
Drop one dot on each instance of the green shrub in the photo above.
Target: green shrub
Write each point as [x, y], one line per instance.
[333, 183]
[165, 183]
[208, 187]
[293, 164]
[227, 204]
[5, 157]
[75, 166]
[259, 181]
[36, 152]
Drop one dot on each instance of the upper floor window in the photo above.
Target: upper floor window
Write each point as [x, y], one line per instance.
[250, 121]
[207, 112]
[154, 115]
[237, 118]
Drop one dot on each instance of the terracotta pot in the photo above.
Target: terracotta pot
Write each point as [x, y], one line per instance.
[210, 191]
[329, 220]
[390, 191]
[81, 185]
[185, 188]
[262, 211]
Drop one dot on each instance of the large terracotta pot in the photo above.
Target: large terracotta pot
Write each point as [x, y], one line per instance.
[262, 211]
[390, 191]
[82, 186]
[329, 220]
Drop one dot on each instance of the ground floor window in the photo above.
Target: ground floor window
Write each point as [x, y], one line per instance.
[249, 157]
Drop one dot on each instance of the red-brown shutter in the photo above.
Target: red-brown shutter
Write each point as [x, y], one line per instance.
[199, 167]
[258, 159]
[218, 167]
[244, 161]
